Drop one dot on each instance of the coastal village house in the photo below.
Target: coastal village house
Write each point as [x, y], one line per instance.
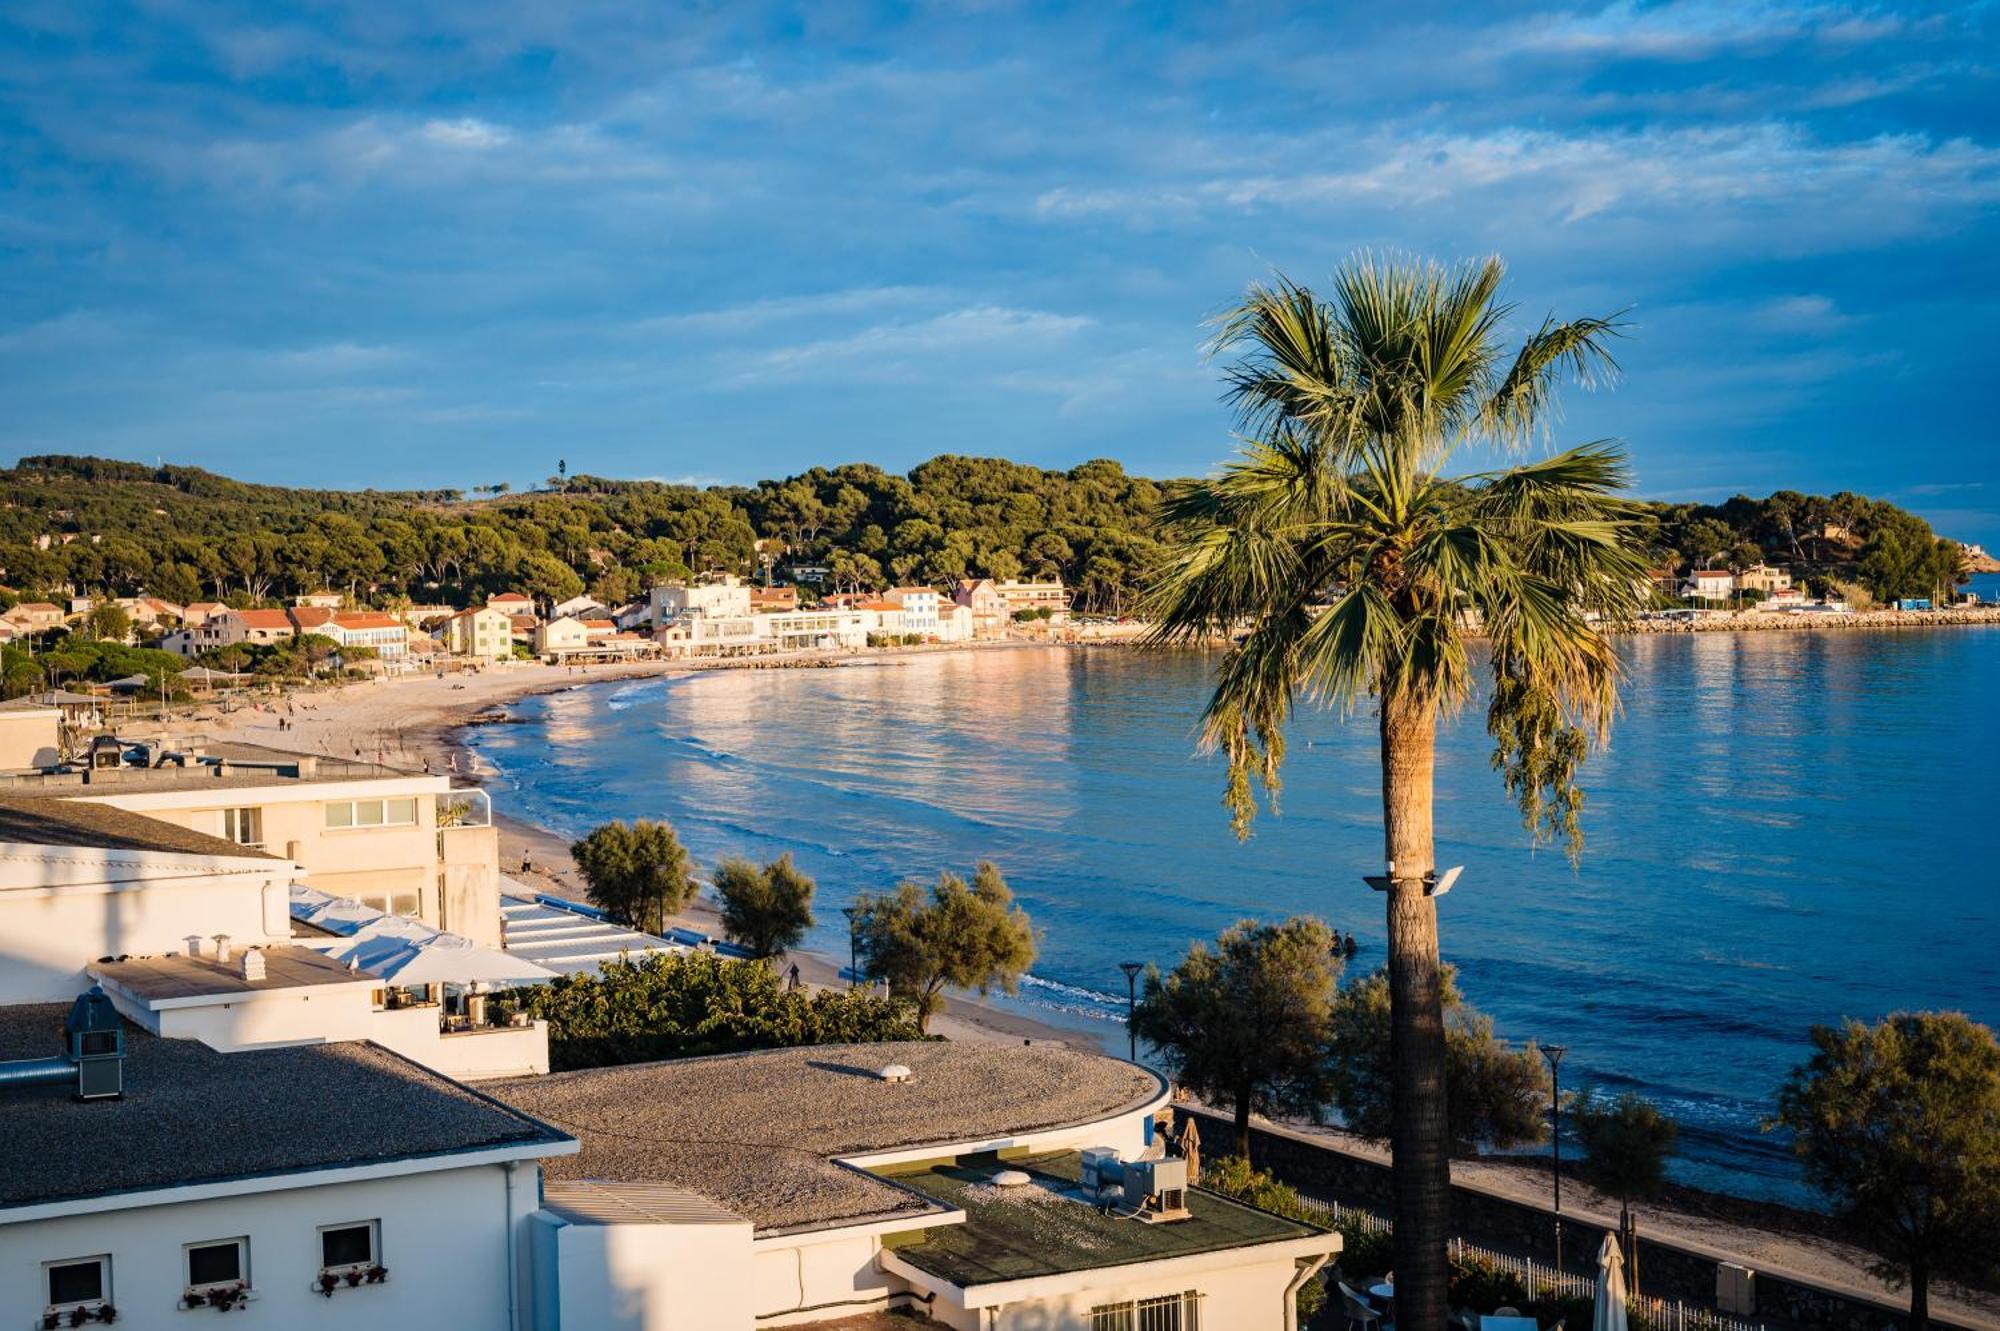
[981, 596]
[1022, 597]
[1709, 584]
[920, 608]
[1764, 578]
[481, 633]
[34, 616]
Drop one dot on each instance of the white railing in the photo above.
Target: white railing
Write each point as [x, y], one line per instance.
[1539, 1278]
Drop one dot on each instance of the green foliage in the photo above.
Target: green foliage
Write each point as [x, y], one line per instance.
[184, 533]
[108, 621]
[1898, 1124]
[766, 909]
[1365, 1249]
[972, 937]
[1820, 538]
[1482, 1286]
[78, 660]
[1246, 1022]
[680, 1005]
[1626, 1143]
[1232, 1176]
[637, 872]
[1495, 1093]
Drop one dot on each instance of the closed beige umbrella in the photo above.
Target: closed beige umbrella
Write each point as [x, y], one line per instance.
[1608, 1314]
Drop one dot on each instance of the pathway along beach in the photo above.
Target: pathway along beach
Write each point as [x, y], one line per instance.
[410, 721]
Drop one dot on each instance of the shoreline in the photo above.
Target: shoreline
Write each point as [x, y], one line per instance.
[429, 720]
[422, 724]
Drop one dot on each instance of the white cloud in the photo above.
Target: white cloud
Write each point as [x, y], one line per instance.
[898, 351]
[1692, 30]
[466, 133]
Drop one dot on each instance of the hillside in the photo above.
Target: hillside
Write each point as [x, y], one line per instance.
[77, 525]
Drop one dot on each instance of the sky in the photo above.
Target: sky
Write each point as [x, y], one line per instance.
[450, 244]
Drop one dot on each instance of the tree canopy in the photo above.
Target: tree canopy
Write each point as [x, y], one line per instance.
[971, 936]
[1495, 1094]
[1898, 1124]
[636, 872]
[766, 908]
[1246, 1022]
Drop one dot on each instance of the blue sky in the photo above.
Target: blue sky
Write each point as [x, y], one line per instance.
[447, 244]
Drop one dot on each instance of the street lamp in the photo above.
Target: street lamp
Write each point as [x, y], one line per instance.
[853, 967]
[1554, 1054]
[1131, 969]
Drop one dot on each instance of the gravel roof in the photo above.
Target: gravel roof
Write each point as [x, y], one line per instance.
[192, 1115]
[52, 821]
[758, 1132]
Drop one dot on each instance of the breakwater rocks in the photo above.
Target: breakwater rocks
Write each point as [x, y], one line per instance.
[1753, 621]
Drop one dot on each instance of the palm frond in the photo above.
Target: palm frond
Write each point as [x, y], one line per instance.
[1523, 402]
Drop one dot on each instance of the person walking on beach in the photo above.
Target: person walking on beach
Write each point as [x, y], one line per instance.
[794, 973]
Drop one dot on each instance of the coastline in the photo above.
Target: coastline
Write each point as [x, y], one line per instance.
[425, 719]
[420, 724]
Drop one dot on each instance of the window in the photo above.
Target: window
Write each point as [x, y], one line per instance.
[371, 813]
[1171, 1312]
[218, 1263]
[243, 826]
[410, 904]
[78, 1282]
[346, 1247]
[1112, 1317]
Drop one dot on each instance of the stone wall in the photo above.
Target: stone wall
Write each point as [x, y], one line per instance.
[1666, 1270]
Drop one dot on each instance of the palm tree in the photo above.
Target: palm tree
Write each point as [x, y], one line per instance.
[1344, 564]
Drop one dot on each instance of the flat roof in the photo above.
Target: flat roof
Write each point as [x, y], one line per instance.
[1045, 1227]
[244, 765]
[596, 1202]
[759, 1133]
[191, 1115]
[50, 819]
[177, 975]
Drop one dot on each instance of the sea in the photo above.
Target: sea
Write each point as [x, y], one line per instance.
[1787, 829]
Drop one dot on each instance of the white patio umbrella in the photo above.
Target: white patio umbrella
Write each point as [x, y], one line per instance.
[1608, 1314]
[441, 958]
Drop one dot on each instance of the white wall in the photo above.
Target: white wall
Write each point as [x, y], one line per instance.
[1247, 1297]
[444, 1237]
[832, 1273]
[49, 930]
[30, 737]
[657, 1277]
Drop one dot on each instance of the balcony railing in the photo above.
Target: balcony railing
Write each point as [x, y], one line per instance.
[464, 808]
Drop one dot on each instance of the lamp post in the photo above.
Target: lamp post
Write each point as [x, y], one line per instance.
[853, 966]
[1131, 969]
[1554, 1054]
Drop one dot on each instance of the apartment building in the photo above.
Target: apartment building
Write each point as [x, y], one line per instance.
[405, 843]
[482, 633]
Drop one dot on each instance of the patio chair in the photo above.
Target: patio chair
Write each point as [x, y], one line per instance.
[1506, 1312]
[1360, 1317]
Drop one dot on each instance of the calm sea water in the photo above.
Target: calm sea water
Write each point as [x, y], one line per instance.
[1788, 829]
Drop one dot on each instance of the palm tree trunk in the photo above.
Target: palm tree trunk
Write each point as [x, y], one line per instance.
[1920, 1296]
[1242, 1098]
[1419, 1137]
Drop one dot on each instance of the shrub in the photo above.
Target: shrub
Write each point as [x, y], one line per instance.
[1232, 1176]
[682, 1005]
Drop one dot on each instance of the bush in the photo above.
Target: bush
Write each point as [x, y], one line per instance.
[682, 1005]
[1232, 1176]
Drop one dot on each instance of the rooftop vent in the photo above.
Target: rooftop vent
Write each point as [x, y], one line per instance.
[253, 964]
[93, 1057]
[1013, 1178]
[222, 948]
[895, 1072]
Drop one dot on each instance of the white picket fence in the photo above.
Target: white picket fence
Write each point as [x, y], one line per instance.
[1539, 1278]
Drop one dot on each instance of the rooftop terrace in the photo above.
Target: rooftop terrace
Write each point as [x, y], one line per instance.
[759, 1133]
[1045, 1228]
[99, 827]
[209, 766]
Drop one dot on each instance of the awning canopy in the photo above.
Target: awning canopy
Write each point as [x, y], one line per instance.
[407, 952]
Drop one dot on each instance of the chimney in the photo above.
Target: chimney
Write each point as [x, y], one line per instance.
[194, 945]
[253, 964]
[222, 948]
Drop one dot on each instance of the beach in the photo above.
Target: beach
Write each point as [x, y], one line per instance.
[417, 722]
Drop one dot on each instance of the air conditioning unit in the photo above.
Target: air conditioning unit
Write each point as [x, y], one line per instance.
[1102, 1178]
[1157, 1189]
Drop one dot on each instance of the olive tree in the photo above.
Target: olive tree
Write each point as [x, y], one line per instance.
[971, 936]
[1246, 1022]
[1899, 1125]
[638, 872]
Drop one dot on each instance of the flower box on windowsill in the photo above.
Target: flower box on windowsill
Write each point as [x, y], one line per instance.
[348, 1277]
[222, 1298]
[81, 1315]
